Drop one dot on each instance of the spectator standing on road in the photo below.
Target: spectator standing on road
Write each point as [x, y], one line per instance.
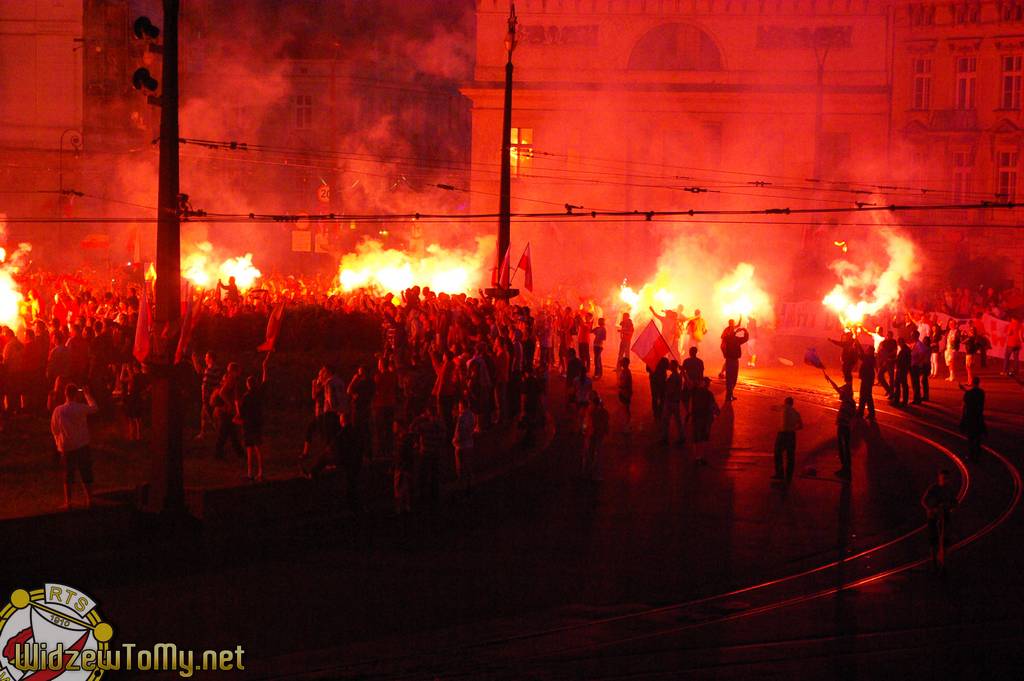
[953, 338]
[901, 386]
[673, 404]
[972, 420]
[625, 385]
[938, 500]
[867, 381]
[1011, 360]
[69, 426]
[595, 428]
[463, 442]
[703, 411]
[971, 348]
[625, 335]
[250, 412]
[844, 420]
[732, 350]
[657, 377]
[886, 361]
[599, 334]
[693, 369]
[785, 441]
[920, 365]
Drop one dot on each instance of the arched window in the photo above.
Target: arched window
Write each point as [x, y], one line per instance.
[675, 47]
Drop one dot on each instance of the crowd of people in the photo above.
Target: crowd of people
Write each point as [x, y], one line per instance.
[447, 369]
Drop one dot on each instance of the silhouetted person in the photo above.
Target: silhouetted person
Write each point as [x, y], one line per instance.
[849, 355]
[732, 350]
[901, 386]
[972, 421]
[673, 404]
[785, 441]
[657, 378]
[938, 500]
[920, 365]
[886, 361]
[867, 381]
[693, 369]
[844, 418]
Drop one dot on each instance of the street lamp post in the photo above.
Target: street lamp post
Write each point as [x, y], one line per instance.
[502, 290]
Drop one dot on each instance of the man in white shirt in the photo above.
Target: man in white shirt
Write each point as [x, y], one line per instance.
[70, 428]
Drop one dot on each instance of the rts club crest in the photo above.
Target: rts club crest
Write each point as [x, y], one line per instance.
[46, 633]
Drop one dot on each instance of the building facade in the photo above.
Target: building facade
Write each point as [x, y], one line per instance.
[677, 104]
[957, 77]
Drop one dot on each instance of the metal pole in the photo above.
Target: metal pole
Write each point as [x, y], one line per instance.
[167, 488]
[505, 204]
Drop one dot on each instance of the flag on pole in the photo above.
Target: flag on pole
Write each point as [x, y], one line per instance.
[273, 328]
[506, 266]
[143, 329]
[811, 357]
[527, 267]
[650, 346]
[188, 323]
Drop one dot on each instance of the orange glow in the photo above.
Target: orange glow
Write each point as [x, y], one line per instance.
[869, 289]
[202, 269]
[385, 269]
[11, 298]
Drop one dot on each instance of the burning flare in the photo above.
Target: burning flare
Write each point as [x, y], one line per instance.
[11, 298]
[737, 295]
[200, 268]
[866, 290]
[392, 271]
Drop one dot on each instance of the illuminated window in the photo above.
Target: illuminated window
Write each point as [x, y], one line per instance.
[966, 81]
[303, 111]
[963, 168]
[1006, 189]
[922, 83]
[1012, 72]
[521, 150]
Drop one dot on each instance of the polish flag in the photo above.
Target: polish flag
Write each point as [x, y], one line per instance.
[650, 346]
[143, 329]
[273, 328]
[188, 325]
[527, 267]
[506, 266]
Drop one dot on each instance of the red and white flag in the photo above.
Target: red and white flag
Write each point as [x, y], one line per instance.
[506, 267]
[273, 328]
[143, 329]
[527, 267]
[188, 324]
[650, 346]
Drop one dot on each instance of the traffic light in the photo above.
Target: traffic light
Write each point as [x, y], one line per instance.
[143, 29]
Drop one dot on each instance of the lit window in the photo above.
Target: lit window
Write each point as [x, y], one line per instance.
[303, 112]
[962, 171]
[966, 81]
[922, 83]
[521, 150]
[1006, 189]
[1012, 73]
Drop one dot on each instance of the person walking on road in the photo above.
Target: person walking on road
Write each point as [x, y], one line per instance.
[595, 428]
[673, 404]
[703, 411]
[972, 421]
[69, 426]
[938, 500]
[901, 386]
[867, 381]
[785, 441]
[599, 334]
[844, 419]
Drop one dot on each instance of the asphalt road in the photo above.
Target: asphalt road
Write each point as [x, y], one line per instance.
[665, 566]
